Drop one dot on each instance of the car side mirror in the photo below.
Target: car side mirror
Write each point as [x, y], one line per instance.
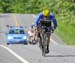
[7, 25]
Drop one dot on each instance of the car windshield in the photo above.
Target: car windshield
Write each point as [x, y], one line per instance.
[16, 31]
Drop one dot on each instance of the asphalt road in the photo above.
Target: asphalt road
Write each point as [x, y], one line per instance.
[19, 53]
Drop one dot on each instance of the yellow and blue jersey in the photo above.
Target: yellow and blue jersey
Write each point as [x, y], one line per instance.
[51, 18]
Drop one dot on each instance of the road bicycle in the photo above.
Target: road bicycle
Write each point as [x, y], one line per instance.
[44, 29]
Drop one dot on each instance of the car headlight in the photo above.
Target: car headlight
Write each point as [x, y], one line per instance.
[9, 37]
[24, 37]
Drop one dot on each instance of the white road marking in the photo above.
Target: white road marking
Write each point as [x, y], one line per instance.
[54, 42]
[15, 54]
[51, 38]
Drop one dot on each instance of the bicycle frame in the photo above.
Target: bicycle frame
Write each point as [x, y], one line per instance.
[44, 40]
[42, 26]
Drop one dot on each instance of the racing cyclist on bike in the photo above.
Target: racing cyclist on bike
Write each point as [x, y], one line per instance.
[45, 15]
[31, 33]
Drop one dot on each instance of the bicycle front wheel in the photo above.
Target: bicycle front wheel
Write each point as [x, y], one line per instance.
[44, 44]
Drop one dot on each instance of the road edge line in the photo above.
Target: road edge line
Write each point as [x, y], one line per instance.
[15, 54]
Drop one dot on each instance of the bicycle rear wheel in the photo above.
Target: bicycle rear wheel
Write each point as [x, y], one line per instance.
[44, 44]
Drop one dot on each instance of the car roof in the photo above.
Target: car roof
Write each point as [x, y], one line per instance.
[16, 27]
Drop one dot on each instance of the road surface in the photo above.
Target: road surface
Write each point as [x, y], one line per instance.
[19, 53]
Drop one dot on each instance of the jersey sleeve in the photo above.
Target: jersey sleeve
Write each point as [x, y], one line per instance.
[54, 20]
[37, 19]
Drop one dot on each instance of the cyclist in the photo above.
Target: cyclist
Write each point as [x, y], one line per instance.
[31, 30]
[45, 15]
[31, 33]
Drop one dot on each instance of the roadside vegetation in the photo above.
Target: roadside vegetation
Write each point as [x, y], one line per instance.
[64, 11]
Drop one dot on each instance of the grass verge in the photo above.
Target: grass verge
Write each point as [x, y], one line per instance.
[66, 32]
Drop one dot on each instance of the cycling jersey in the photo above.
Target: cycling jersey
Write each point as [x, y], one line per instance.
[51, 17]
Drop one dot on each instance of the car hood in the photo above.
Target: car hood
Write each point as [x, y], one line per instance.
[16, 35]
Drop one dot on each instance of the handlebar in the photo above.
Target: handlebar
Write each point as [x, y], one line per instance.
[51, 28]
[45, 24]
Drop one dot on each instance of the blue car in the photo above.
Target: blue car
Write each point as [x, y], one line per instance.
[16, 35]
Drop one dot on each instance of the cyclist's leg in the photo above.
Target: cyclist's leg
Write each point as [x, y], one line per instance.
[48, 41]
[36, 35]
[40, 37]
[48, 38]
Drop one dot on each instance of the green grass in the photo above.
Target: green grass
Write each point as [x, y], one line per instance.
[66, 32]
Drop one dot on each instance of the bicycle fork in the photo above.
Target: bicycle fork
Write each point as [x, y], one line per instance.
[44, 45]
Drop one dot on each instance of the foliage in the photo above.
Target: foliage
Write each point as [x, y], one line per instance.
[64, 9]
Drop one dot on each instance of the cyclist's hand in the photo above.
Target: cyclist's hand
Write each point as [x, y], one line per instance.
[35, 29]
[53, 29]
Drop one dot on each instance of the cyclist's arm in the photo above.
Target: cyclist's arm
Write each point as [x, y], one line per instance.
[54, 21]
[38, 19]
